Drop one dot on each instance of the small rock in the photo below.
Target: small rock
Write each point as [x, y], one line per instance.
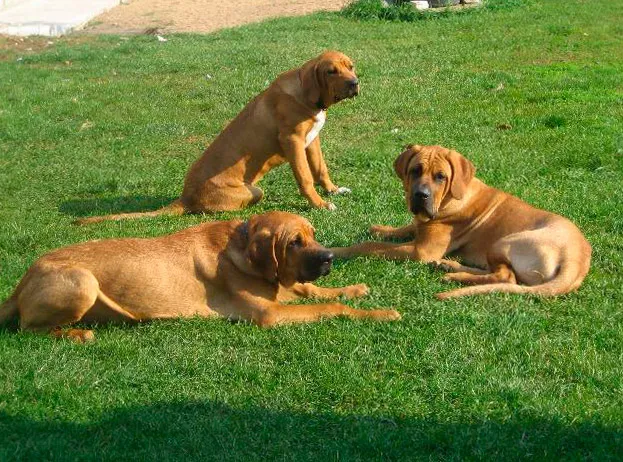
[420, 5]
[504, 126]
[86, 125]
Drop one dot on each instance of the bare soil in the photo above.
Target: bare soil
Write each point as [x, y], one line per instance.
[165, 16]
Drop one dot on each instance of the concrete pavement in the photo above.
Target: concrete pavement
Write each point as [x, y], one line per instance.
[48, 17]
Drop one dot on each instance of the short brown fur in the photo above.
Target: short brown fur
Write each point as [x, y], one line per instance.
[241, 271]
[506, 240]
[270, 130]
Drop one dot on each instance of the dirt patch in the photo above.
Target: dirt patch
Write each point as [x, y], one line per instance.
[199, 15]
[9, 45]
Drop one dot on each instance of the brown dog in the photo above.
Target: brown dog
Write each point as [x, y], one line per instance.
[233, 269]
[280, 125]
[457, 213]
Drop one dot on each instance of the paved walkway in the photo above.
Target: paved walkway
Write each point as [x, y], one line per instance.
[49, 17]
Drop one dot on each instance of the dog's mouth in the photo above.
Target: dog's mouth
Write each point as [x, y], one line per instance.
[348, 93]
[423, 211]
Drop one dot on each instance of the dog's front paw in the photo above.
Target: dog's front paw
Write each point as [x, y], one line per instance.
[354, 291]
[380, 230]
[386, 315]
[329, 206]
[341, 190]
[449, 266]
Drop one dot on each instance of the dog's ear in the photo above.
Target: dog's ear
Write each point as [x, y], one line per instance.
[462, 174]
[310, 81]
[261, 252]
[402, 161]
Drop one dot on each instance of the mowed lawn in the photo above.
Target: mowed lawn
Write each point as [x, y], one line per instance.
[532, 94]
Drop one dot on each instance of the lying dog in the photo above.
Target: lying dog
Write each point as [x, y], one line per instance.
[232, 269]
[280, 125]
[457, 213]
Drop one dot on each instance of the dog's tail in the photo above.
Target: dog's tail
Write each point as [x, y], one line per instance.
[568, 279]
[174, 208]
[8, 310]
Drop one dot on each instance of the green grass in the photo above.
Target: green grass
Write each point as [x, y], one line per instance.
[493, 377]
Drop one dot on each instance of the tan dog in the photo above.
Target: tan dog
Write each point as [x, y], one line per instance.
[457, 213]
[233, 269]
[279, 125]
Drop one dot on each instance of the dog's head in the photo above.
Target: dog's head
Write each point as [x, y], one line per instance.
[329, 78]
[430, 176]
[281, 246]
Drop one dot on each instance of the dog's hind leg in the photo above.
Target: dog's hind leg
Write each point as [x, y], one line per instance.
[228, 198]
[500, 274]
[452, 266]
[56, 296]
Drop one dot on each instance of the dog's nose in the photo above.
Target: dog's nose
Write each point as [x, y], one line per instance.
[325, 263]
[353, 82]
[328, 258]
[422, 194]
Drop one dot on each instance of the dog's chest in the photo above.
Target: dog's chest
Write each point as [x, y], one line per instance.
[319, 120]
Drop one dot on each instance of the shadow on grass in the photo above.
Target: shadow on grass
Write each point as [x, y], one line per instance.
[105, 206]
[199, 430]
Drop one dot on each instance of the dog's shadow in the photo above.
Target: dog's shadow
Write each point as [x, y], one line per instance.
[108, 205]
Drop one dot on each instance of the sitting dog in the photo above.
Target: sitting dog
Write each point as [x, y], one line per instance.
[509, 241]
[239, 270]
[279, 125]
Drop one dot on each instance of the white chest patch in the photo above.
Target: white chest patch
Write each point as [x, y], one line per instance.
[319, 120]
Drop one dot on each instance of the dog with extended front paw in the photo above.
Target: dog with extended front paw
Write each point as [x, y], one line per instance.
[505, 241]
[281, 124]
[238, 270]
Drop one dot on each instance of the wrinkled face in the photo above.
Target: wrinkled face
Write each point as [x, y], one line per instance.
[431, 175]
[282, 247]
[329, 78]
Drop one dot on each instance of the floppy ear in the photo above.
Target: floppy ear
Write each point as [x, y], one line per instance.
[402, 161]
[261, 252]
[311, 83]
[462, 173]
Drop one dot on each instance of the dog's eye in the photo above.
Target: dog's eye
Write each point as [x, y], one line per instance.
[417, 171]
[439, 177]
[333, 70]
[298, 242]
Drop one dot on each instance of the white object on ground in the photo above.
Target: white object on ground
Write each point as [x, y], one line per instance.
[161, 38]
